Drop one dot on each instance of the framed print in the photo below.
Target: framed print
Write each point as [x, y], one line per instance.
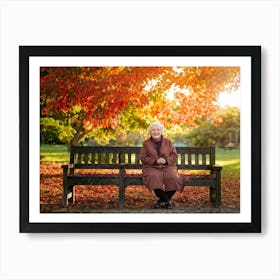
[140, 139]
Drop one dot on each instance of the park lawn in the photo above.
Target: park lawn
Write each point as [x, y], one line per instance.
[52, 157]
[228, 159]
[54, 153]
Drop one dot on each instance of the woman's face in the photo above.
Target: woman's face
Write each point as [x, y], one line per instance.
[156, 132]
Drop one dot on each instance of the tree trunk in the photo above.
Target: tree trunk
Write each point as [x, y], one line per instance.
[80, 134]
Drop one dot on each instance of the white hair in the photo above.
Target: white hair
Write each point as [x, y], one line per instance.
[158, 124]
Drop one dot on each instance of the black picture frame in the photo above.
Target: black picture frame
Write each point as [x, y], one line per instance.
[253, 52]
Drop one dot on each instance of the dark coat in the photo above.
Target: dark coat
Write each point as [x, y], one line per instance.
[160, 176]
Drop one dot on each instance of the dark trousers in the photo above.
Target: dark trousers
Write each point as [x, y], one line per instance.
[164, 196]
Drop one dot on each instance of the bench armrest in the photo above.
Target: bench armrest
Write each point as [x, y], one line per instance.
[65, 168]
[216, 170]
[216, 167]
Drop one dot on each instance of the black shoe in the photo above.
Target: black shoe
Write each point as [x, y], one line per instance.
[168, 204]
[158, 204]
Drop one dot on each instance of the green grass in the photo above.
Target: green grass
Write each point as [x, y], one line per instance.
[229, 159]
[54, 153]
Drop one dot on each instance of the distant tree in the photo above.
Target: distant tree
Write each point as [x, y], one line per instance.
[223, 130]
[55, 131]
[229, 126]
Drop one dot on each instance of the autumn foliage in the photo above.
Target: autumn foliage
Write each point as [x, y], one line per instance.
[137, 197]
[90, 98]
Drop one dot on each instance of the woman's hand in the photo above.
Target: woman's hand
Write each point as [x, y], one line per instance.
[161, 161]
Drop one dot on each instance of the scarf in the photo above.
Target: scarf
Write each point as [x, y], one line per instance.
[157, 143]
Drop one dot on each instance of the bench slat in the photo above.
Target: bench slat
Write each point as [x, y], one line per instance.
[137, 159]
[79, 158]
[86, 158]
[107, 158]
[194, 167]
[203, 159]
[114, 159]
[92, 158]
[189, 159]
[93, 180]
[97, 166]
[99, 157]
[183, 159]
[135, 166]
[129, 158]
[196, 160]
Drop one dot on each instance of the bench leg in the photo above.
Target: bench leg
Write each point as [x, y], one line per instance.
[213, 195]
[65, 194]
[121, 187]
[218, 196]
[72, 193]
[121, 196]
[68, 194]
[218, 190]
[215, 191]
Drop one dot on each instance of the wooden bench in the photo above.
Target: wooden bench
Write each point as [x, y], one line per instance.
[123, 159]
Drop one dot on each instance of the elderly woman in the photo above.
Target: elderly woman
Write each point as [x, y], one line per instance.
[159, 157]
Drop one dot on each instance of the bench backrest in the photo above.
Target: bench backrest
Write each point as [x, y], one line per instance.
[105, 157]
[100, 157]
